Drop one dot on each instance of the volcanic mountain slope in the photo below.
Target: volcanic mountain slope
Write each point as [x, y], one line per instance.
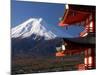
[36, 37]
[38, 27]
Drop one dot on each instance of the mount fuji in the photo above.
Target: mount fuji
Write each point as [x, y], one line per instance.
[36, 38]
[37, 28]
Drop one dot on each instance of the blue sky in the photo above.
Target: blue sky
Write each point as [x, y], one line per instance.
[50, 12]
[22, 11]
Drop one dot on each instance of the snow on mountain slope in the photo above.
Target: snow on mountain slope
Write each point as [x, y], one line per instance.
[38, 27]
[30, 27]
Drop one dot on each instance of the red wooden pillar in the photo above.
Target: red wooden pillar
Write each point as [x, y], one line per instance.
[89, 59]
[93, 57]
[91, 23]
[86, 58]
[93, 20]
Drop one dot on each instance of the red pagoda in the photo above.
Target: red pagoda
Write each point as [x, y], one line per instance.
[85, 42]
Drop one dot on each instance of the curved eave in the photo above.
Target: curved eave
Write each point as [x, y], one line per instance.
[82, 41]
[81, 14]
[68, 19]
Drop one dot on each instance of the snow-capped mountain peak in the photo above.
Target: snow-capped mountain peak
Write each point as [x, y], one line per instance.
[32, 26]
